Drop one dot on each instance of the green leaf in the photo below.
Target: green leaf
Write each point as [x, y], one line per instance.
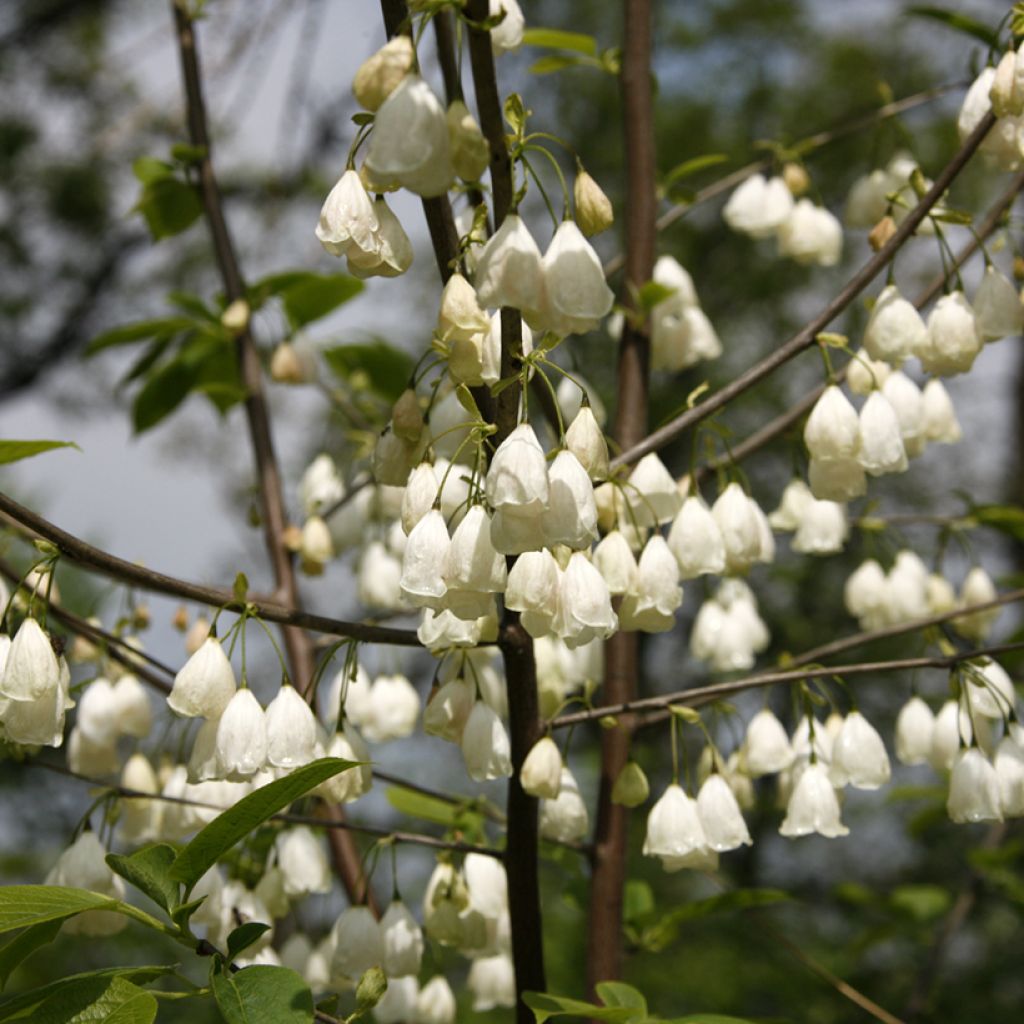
[80, 988]
[148, 870]
[240, 588]
[515, 113]
[556, 62]
[618, 993]
[14, 451]
[22, 906]
[556, 39]
[185, 153]
[1008, 519]
[129, 334]
[249, 813]
[638, 900]
[386, 369]
[162, 393]
[661, 934]
[169, 206]
[708, 1018]
[118, 1002]
[262, 995]
[651, 293]
[312, 296]
[189, 303]
[417, 805]
[958, 22]
[922, 902]
[692, 166]
[244, 936]
[22, 946]
[148, 168]
[545, 1005]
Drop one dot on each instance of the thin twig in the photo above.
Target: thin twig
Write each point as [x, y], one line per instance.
[806, 336]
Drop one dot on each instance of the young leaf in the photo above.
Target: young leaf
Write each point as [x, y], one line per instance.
[387, 369]
[244, 936]
[1007, 519]
[13, 451]
[556, 39]
[618, 993]
[313, 296]
[169, 206]
[147, 869]
[545, 1006]
[262, 995]
[556, 62]
[692, 166]
[24, 905]
[958, 22]
[148, 168]
[162, 393]
[416, 805]
[118, 1002]
[23, 945]
[129, 334]
[249, 813]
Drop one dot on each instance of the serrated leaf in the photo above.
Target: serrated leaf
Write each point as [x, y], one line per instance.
[244, 936]
[262, 995]
[310, 297]
[24, 1005]
[386, 369]
[958, 22]
[248, 814]
[148, 870]
[22, 946]
[169, 206]
[618, 993]
[556, 39]
[14, 451]
[129, 334]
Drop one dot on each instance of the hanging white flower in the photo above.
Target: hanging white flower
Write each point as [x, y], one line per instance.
[998, 311]
[358, 943]
[206, 683]
[895, 330]
[953, 341]
[565, 818]
[696, 540]
[813, 806]
[881, 439]
[758, 207]
[939, 422]
[485, 745]
[720, 816]
[766, 748]
[571, 515]
[858, 755]
[518, 474]
[974, 793]
[291, 730]
[811, 234]
[578, 297]
[403, 941]
[509, 271]
[348, 222]
[541, 773]
[675, 834]
[241, 743]
[380, 74]
[915, 725]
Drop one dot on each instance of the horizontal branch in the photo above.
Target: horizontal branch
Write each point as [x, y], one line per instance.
[804, 146]
[90, 557]
[806, 336]
[698, 696]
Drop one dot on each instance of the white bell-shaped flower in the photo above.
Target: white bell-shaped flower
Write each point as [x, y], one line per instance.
[378, 578]
[758, 207]
[675, 833]
[398, 1004]
[832, 431]
[990, 691]
[241, 737]
[839, 480]
[584, 604]
[823, 529]
[31, 671]
[652, 493]
[585, 439]
[939, 417]
[358, 943]
[738, 524]
[508, 33]
[864, 594]
[518, 475]
[915, 725]
[461, 317]
[303, 862]
[409, 144]
[881, 439]
[485, 745]
[97, 713]
[813, 806]
[419, 495]
[1009, 766]
[696, 540]
[509, 271]
[997, 307]
[394, 253]
[321, 486]
[532, 589]
[720, 816]
[811, 234]
[941, 597]
[858, 755]
[974, 793]
[436, 1002]
[492, 979]
[578, 297]
[895, 330]
[394, 707]
[793, 505]
[83, 866]
[952, 730]
[571, 515]
[132, 707]
[651, 605]
[616, 563]
[864, 374]
[448, 708]
[953, 341]
[352, 783]
[866, 202]
[403, 941]
[348, 222]
[469, 149]
[977, 588]
[380, 74]
[472, 563]
[766, 748]
[291, 730]
[139, 821]
[424, 561]
[206, 683]
[487, 884]
[565, 818]
[541, 773]
[906, 398]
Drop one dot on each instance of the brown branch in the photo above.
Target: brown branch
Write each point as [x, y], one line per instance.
[622, 651]
[89, 557]
[803, 146]
[805, 337]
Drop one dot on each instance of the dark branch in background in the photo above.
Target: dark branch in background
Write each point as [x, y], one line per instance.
[27, 362]
[36, 18]
[89, 557]
[521, 855]
[784, 421]
[622, 651]
[804, 146]
[805, 337]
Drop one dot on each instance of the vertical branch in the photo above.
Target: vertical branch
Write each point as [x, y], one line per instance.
[622, 662]
[297, 641]
[521, 860]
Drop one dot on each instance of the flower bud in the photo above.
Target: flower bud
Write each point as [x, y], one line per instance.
[541, 772]
[460, 317]
[485, 745]
[631, 788]
[470, 151]
[315, 547]
[371, 988]
[881, 233]
[403, 941]
[797, 180]
[565, 818]
[378, 76]
[593, 208]
[585, 439]
[235, 317]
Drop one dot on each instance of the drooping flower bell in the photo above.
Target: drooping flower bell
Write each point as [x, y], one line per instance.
[895, 329]
[593, 208]
[973, 789]
[813, 806]
[517, 479]
[832, 431]
[241, 744]
[565, 818]
[348, 222]
[380, 74]
[485, 745]
[998, 311]
[571, 515]
[720, 816]
[914, 727]
[291, 730]
[696, 540]
[675, 834]
[881, 440]
[953, 341]
[811, 234]
[205, 684]
[541, 773]
[578, 297]
[858, 755]
[585, 439]
[509, 272]
[758, 207]
[403, 941]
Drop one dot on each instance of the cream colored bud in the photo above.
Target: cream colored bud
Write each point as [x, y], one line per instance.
[376, 185]
[236, 317]
[797, 180]
[197, 633]
[291, 537]
[316, 546]
[880, 234]
[141, 616]
[593, 208]
[180, 619]
[631, 788]
[407, 418]
[286, 366]
[378, 76]
[470, 152]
